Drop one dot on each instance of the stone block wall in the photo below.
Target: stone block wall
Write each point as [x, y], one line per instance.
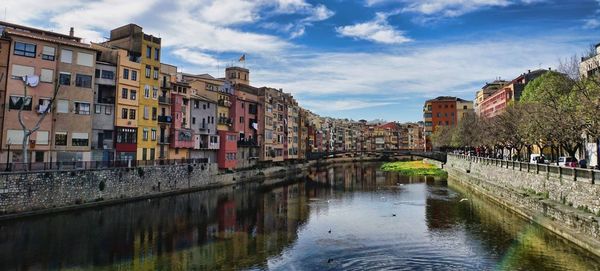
[581, 192]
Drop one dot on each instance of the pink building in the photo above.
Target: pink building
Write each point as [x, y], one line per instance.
[181, 136]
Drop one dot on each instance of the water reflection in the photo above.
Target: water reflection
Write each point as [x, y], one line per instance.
[377, 220]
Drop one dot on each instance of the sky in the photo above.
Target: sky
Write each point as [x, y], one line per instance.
[356, 59]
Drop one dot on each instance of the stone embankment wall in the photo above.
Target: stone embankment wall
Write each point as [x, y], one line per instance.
[563, 200]
[38, 192]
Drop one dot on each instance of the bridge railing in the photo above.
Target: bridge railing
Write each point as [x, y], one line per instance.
[438, 156]
[582, 174]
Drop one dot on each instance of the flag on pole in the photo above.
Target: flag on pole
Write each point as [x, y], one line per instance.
[242, 58]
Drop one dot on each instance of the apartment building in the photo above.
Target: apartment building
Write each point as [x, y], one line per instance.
[590, 65]
[275, 127]
[103, 116]
[247, 114]
[57, 60]
[181, 134]
[487, 90]
[145, 48]
[497, 101]
[168, 74]
[203, 124]
[291, 127]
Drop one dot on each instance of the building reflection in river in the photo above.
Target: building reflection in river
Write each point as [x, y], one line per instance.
[247, 227]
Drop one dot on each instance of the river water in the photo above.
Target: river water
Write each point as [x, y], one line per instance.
[346, 217]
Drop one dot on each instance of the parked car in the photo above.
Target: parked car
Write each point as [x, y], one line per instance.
[535, 158]
[567, 161]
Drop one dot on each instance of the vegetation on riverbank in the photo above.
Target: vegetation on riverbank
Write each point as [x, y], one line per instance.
[413, 168]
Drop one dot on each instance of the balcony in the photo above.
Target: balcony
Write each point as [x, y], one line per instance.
[203, 127]
[247, 143]
[182, 139]
[164, 100]
[106, 100]
[225, 121]
[165, 119]
[164, 140]
[205, 143]
[225, 103]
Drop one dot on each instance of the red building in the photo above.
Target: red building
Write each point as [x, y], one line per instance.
[227, 155]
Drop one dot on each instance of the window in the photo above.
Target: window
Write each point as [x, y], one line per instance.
[84, 81]
[145, 134]
[60, 139]
[156, 54]
[66, 56]
[108, 75]
[62, 106]
[64, 79]
[124, 113]
[97, 74]
[20, 71]
[126, 74]
[126, 135]
[43, 105]
[241, 119]
[146, 112]
[17, 101]
[124, 93]
[148, 71]
[148, 52]
[155, 75]
[47, 76]
[108, 110]
[144, 152]
[134, 75]
[147, 91]
[41, 138]
[133, 94]
[154, 92]
[85, 59]
[24, 49]
[154, 113]
[98, 109]
[132, 114]
[82, 108]
[193, 120]
[79, 139]
[153, 134]
[48, 53]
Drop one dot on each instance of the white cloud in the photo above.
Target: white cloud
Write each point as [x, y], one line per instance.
[427, 71]
[194, 57]
[591, 23]
[377, 30]
[342, 105]
[449, 8]
[228, 12]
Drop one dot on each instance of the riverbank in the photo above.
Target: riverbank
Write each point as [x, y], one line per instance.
[32, 193]
[561, 205]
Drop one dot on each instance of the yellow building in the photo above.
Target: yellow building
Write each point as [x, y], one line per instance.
[145, 50]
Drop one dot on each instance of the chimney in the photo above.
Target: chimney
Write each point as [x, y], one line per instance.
[528, 71]
[71, 32]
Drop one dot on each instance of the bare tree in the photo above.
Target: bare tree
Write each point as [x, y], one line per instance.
[28, 131]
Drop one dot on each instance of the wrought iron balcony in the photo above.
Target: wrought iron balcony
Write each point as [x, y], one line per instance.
[165, 119]
[164, 100]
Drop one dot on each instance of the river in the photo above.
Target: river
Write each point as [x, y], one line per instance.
[344, 217]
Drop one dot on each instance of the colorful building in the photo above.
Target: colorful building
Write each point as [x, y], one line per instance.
[145, 48]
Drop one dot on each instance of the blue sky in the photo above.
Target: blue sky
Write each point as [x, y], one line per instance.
[359, 59]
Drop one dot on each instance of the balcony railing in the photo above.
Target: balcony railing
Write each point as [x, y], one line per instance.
[106, 100]
[247, 143]
[223, 102]
[164, 100]
[70, 165]
[164, 140]
[225, 121]
[165, 119]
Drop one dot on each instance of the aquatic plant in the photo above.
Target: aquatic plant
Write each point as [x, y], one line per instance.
[413, 168]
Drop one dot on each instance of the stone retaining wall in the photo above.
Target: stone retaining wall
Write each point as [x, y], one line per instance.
[38, 192]
[559, 203]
